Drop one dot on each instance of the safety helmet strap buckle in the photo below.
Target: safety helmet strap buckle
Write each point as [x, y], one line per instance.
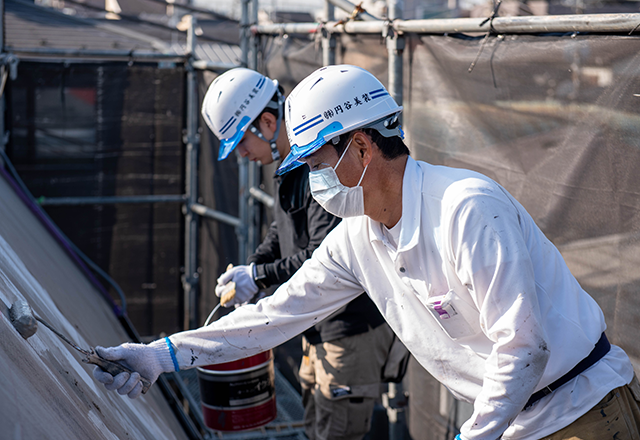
[275, 154]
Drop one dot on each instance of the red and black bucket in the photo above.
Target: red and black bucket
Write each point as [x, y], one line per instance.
[238, 395]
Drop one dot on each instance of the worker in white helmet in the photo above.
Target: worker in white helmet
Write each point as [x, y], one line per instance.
[458, 268]
[343, 355]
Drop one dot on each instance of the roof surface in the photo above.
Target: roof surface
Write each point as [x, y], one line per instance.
[33, 28]
[30, 26]
[45, 389]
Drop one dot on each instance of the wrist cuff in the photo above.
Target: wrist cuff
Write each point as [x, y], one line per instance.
[260, 276]
[173, 353]
[165, 353]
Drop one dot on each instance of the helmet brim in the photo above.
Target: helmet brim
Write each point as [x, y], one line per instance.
[229, 144]
[297, 153]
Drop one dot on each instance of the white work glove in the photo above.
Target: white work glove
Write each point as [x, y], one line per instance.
[246, 287]
[148, 361]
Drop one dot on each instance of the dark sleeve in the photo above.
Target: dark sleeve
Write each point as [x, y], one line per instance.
[269, 249]
[319, 224]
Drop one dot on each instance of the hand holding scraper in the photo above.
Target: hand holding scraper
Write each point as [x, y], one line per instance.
[26, 323]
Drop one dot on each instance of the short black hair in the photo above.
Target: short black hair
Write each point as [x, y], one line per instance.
[271, 108]
[390, 147]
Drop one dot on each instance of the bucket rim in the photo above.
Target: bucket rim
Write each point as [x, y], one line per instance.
[232, 372]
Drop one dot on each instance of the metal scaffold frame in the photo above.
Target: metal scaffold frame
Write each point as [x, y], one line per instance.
[391, 28]
[247, 230]
[250, 196]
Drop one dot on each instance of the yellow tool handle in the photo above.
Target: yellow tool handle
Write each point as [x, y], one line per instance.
[230, 290]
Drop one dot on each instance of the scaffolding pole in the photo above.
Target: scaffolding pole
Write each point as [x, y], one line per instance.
[534, 24]
[248, 172]
[109, 200]
[213, 66]
[215, 215]
[328, 39]
[190, 278]
[597, 23]
[351, 9]
[244, 32]
[395, 48]
[262, 197]
[254, 39]
[83, 54]
[243, 163]
[253, 208]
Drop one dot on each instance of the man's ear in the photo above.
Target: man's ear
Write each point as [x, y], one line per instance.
[364, 147]
[269, 121]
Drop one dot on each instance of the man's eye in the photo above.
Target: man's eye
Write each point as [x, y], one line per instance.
[319, 166]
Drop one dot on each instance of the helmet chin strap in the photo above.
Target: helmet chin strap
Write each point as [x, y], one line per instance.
[275, 154]
[274, 150]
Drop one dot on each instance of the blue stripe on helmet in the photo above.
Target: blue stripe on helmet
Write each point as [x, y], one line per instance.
[261, 82]
[229, 123]
[227, 145]
[378, 95]
[376, 91]
[319, 121]
[305, 123]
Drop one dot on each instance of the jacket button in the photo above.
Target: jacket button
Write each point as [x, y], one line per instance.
[402, 269]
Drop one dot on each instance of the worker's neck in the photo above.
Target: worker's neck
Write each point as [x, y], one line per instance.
[383, 195]
[282, 143]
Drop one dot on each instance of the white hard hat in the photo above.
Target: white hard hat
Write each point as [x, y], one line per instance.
[331, 101]
[232, 102]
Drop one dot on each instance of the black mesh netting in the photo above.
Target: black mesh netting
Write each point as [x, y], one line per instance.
[109, 129]
[555, 119]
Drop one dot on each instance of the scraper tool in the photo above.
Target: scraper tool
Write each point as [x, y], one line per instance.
[26, 323]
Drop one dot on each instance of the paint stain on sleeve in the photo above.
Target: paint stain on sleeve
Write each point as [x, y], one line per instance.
[194, 358]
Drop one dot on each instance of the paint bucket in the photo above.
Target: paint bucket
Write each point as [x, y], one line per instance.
[238, 395]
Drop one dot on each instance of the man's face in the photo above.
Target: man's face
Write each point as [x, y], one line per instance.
[255, 149]
[349, 170]
[325, 157]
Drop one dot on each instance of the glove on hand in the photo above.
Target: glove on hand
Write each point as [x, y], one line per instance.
[246, 287]
[148, 361]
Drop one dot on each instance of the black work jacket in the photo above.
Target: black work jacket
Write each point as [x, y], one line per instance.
[299, 227]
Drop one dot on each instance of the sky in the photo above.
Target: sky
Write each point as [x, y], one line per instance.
[232, 7]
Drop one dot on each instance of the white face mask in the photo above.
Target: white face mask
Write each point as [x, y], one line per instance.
[333, 196]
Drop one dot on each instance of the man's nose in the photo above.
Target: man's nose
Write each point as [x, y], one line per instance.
[243, 151]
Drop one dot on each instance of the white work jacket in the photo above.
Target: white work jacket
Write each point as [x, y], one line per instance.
[477, 293]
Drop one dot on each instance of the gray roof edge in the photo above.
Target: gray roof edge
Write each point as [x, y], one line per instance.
[125, 54]
[156, 43]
